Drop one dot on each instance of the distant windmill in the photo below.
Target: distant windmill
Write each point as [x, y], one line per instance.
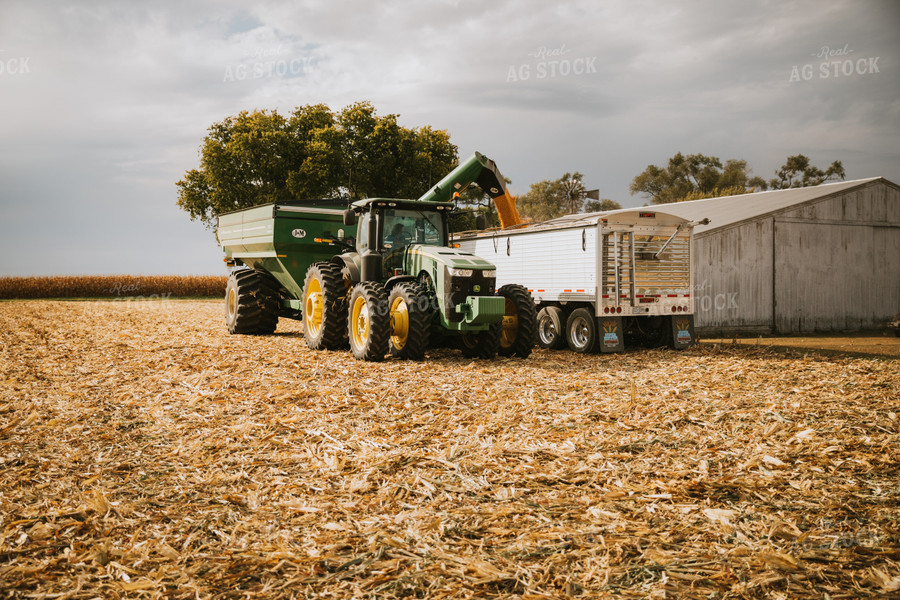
[574, 194]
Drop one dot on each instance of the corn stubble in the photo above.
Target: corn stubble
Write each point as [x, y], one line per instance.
[147, 453]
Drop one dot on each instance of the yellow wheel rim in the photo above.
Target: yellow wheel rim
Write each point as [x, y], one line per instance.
[231, 303]
[359, 322]
[399, 323]
[313, 308]
[510, 325]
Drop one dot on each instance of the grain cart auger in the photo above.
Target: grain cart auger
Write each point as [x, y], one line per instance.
[393, 285]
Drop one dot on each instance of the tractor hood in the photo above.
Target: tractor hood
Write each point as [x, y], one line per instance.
[451, 257]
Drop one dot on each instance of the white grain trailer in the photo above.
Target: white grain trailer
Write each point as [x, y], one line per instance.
[600, 279]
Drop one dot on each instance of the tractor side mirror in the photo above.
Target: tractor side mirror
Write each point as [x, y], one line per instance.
[480, 221]
[349, 217]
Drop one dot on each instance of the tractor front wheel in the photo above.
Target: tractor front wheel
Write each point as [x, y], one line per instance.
[519, 322]
[410, 317]
[368, 323]
[482, 344]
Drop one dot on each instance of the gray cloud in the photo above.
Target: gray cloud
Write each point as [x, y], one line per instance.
[117, 98]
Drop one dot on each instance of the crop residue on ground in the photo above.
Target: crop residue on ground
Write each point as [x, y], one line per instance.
[146, 453]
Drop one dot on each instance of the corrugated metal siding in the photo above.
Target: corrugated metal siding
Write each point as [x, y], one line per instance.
[733, 278]
[833, 264]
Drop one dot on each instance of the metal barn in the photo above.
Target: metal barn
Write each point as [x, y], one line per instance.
[824, 258]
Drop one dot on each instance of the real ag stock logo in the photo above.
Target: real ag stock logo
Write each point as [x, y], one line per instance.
[16, 65]
[836, 62]
[552, 62]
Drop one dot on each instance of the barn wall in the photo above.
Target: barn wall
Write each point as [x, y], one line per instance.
[833, 264]
[733, 279]
[837, 262]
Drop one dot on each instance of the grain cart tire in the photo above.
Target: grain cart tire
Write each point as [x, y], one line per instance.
[251, 302]
[368, 323]
[410, 319]
[581, 331]
[551, 324]
[324, 307]
[482, 344]
[519, 331]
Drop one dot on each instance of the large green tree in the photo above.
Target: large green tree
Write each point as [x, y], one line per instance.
[261, 156]
[698, 176]
[797, 171]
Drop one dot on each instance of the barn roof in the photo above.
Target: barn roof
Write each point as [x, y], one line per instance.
[728, 210]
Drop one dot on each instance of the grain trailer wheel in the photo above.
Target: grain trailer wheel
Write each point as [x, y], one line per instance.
[324, 307]
[519, 331]
[251, 302]
[551, 324]
[481, 344]
[581, 331]
[410, 318]
[368, 322]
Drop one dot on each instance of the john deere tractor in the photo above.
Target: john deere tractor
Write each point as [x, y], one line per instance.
[393, 286]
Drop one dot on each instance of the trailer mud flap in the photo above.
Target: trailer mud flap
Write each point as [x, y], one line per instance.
[612, 337]
[682, 332]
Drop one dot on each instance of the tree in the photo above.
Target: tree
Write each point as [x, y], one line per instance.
[550, 199]
[798, 172]
[261, 156]
[698, 176]
[695, 174]
[601, 205]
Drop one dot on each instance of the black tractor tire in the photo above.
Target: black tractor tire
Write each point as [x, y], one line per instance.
[519, 332]
[581, 331]
[482, 344]
[325, 307]
[551, 323]
[410, 318]
[368, 322]
[252, 302]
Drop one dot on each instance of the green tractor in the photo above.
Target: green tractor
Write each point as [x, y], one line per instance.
[395, 286]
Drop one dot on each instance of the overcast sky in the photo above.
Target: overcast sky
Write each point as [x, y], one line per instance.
[104, 105]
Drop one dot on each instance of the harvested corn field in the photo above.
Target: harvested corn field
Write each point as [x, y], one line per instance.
[145, 453]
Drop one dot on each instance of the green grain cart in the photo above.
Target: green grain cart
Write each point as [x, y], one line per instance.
[379, 275]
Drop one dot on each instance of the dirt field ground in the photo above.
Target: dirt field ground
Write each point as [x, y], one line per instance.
[871, 343]
[145, 453]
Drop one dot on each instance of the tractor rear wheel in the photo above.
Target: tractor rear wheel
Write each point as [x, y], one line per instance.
[324, 307]
[551, 328]
[581, 331]
[251, 302]
[410, 317]
[519, 322]
[368, 325]
[481, 344]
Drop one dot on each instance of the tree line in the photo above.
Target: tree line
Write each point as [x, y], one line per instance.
[262, 156]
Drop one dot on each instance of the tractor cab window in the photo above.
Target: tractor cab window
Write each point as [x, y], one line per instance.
[362, 235]
[404, 227]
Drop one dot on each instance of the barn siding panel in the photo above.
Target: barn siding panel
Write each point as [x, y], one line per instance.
[733, 283]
